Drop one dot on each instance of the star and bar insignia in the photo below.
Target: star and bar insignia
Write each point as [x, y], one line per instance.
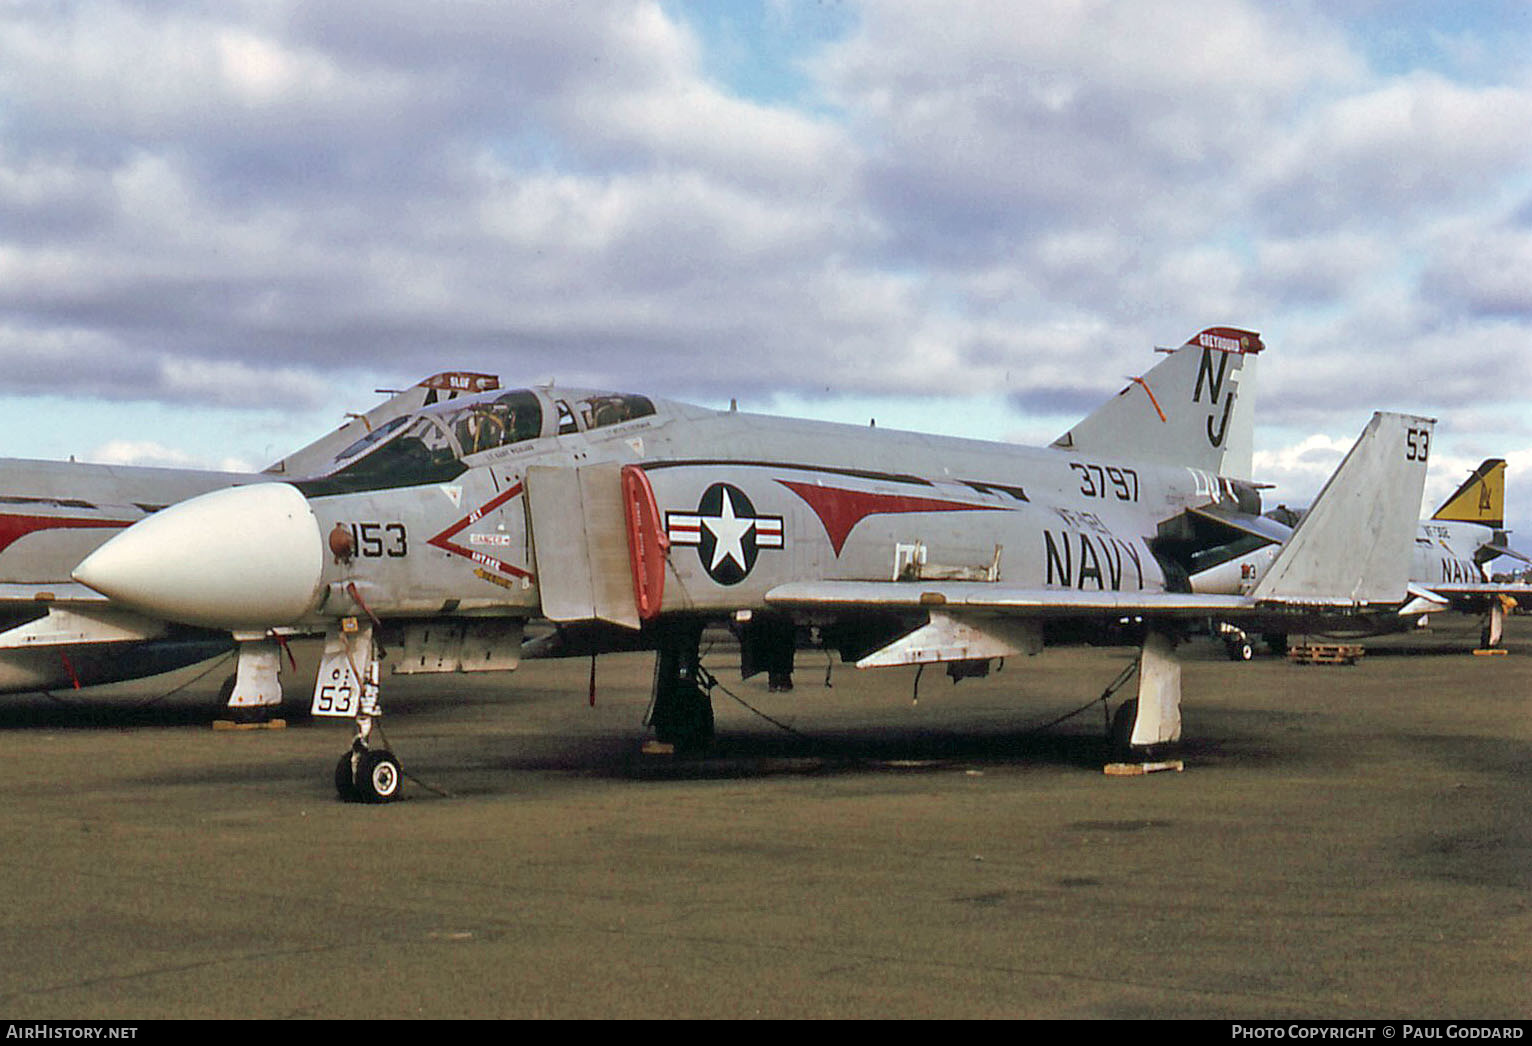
[726, 531]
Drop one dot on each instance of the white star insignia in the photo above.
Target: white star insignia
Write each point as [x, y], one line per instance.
[729, 532]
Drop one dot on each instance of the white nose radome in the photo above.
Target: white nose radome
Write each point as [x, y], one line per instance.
[241, 558]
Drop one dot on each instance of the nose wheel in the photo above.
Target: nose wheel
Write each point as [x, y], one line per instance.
[368, 775]
[347, 687]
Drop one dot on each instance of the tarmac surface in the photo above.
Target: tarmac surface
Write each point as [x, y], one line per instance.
[1345, 842]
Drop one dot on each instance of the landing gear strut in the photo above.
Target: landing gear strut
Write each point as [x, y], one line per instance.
[681, 710]
[1236, 643]
[253, 694]
[1151, 720]
[1494, 625]
[375, 776]
[767, 644]
[348, 687]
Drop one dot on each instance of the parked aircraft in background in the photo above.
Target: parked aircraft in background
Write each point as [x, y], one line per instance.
[1456, 546]
[1450, 567]
[56, 633]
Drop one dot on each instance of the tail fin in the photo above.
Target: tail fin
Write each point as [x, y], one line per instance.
[319, 455]
[1355, 544]
[1195, 408]
[1481, 498]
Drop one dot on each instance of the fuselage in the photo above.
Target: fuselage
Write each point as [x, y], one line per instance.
[510, 504]
[747, 502]
[1444, 554]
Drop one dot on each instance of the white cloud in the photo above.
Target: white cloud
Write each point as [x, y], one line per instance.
[233, 206]
[1485, 270]
[1396, 153]
[150, 453]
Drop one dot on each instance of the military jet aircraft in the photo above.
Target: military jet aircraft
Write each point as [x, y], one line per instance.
[56, 633]
[630, 521]
[1450, 565]
[1455, 547]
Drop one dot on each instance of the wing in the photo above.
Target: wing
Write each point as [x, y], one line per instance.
[1349, 557]
[1514, 589]
[985, 597]
[1497, 547]
[971, 621]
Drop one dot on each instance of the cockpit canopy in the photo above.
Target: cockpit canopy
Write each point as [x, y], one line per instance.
[432, 445]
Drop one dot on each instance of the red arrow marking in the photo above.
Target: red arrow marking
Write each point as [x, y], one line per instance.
[444, 540]
[841, 510]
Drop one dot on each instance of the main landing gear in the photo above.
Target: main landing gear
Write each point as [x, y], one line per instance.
[1236, 643]
[1493, 631]
[681, 709]
[1145, 724]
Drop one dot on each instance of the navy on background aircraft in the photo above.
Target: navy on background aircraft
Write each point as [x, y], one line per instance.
[1449, 568]
[1456, 546]
[438, 527]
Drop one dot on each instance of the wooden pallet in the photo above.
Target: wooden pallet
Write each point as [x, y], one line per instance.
[1140, 769]
[1325, 653]
[229, 724]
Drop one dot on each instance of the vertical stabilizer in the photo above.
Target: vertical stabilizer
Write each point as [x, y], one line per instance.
[1481, 498]
[1195, 408]
[1355, 544]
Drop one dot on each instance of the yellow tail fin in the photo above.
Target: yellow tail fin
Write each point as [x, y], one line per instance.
[1481, 498]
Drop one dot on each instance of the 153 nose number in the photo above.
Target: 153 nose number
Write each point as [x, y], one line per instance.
[380, 540]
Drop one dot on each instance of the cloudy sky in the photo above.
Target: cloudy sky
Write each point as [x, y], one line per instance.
[224, 223]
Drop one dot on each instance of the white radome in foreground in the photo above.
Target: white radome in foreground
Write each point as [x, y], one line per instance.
[244, 557]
